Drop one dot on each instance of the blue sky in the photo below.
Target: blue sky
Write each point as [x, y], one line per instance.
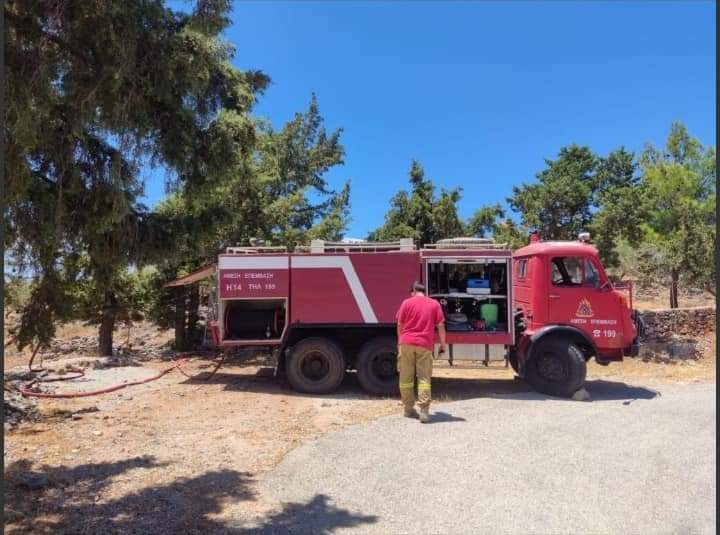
[479, 92]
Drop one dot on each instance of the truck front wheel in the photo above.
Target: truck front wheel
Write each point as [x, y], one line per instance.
[556, 367]
[377, 366]
[315, 366]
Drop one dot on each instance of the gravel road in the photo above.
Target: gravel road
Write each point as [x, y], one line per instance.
[631, 461]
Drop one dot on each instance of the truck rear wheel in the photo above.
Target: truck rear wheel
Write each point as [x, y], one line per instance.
[556, 367]
[377, 366]
[315, 366]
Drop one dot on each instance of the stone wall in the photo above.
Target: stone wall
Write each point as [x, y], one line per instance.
[665, 324]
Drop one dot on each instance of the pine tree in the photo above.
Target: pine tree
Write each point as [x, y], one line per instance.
[95, 91]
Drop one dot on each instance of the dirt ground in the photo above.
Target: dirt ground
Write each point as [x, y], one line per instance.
[181, 455]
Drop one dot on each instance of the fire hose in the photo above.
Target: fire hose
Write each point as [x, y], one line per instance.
[177, 365]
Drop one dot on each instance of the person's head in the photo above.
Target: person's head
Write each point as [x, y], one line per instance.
[417, 288]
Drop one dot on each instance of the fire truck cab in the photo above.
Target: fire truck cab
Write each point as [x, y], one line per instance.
[566, 312]
[329, 308]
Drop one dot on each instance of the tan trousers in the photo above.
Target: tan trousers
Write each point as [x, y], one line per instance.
[414, 361]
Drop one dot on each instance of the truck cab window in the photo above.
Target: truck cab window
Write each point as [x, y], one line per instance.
[592, 278]
[567, 271]
[522, 268]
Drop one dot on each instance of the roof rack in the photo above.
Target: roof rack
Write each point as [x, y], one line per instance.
[255, 250]
[322, 246]
[465, 243]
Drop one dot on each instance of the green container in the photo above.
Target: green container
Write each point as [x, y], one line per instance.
[489, 314]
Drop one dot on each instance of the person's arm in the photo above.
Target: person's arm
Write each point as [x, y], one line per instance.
[441, 333]
[440, 324]
[399, 319]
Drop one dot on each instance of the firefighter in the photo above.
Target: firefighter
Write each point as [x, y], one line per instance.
[417, 319]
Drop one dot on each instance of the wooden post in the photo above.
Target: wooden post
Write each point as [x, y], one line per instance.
[192, 320]
[180, 334]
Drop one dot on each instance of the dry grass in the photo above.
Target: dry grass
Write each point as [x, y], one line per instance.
[655, 298]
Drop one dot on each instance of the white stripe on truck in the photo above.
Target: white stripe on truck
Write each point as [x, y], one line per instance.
[253, 262]
[344, 263]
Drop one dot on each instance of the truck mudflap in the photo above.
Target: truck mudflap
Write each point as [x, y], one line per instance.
[633, 350]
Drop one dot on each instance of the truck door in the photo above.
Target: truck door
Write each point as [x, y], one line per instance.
[580, 295]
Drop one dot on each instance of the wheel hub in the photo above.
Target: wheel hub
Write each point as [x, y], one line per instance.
[384, 366]
[551, 368]
[315, 366]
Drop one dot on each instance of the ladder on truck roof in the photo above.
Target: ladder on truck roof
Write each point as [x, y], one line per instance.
[256, 250]
[322, 246]
[465, 243]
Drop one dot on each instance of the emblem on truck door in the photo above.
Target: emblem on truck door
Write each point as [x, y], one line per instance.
[584, 309]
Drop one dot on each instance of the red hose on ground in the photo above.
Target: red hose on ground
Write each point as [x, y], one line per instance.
[177, 365]
[29, 393]
[32, 358]
[78, 372]
[217, 367]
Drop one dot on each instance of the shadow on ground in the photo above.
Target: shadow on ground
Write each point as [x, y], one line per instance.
[602, 390]
[241, 378]
[439, 417]
[65, 499]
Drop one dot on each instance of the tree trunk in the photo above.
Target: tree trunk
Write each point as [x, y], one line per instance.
[180, 335]
[674, 276]
[107, 324]
[193, 309]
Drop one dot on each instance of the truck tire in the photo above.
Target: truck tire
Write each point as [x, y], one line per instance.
[556, 367]
[377, 366]
[315, 366]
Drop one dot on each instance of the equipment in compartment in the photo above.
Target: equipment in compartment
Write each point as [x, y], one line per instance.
[478, 286]
[489, 314]
[473, 295]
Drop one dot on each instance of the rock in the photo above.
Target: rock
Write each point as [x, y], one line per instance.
[682, 350]
[581, 395]
[102, 363]
[77, 416]
[97, 433]
[35, 482]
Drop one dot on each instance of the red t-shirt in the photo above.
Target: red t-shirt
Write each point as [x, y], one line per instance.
[419, 315]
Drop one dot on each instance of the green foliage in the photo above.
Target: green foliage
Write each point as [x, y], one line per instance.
[16, 292]
[621, 209]
[679, 188]
[421, 215]
[94, 89]
[510, 233]
[292, 193]
[559, 204]
[484, 221]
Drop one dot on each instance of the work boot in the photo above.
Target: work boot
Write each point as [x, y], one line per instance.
[424, 416]
[410, 412]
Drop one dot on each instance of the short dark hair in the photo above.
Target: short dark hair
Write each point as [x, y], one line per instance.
[417, 287]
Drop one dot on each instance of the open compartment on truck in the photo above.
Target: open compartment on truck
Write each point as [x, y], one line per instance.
[473, 292]
[254, 319]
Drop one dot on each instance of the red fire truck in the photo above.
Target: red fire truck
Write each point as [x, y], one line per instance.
[328, 308]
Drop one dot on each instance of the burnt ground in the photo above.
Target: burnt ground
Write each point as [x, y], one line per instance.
[186, 455]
